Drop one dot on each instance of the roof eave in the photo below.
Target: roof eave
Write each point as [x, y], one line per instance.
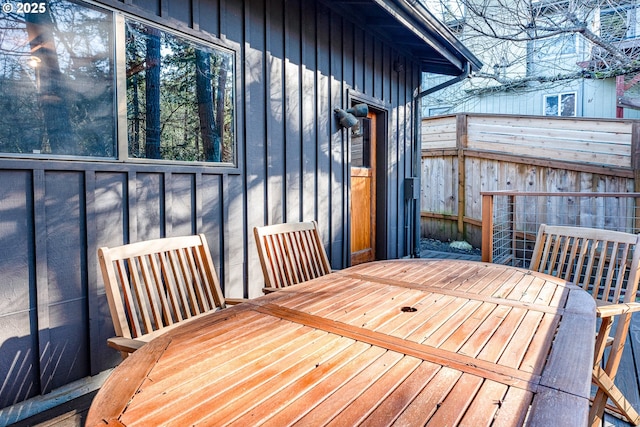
[410, 29]
[426, 26]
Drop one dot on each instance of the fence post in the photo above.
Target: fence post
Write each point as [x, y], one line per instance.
[487, 227]
[635, 166]
[511, 200]
[461, 145]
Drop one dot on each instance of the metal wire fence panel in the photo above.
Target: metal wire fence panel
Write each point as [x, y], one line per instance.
[518, 215]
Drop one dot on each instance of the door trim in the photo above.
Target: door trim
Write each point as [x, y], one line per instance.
[381, 109]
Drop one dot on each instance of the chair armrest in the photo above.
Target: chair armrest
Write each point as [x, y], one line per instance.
[617, 309]
[127, 345]
[234, 301]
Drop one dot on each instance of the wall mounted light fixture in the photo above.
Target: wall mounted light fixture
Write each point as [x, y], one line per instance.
[348, 118]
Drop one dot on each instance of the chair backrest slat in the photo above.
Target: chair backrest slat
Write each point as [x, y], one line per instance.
[165, 302]
[604, 263]
[153, 294]
[174, 297]
[154, 284]
[189, 282]
[291, 253]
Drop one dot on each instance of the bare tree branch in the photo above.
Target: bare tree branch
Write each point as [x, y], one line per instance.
[522, 43]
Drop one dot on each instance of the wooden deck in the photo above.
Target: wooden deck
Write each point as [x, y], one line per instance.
[73, 414]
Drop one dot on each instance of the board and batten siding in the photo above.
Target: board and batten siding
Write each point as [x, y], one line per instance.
[467, 154]
[296, 61]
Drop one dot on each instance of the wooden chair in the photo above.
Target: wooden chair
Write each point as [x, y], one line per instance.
[155, 285]
[290, 253]
[605, 263]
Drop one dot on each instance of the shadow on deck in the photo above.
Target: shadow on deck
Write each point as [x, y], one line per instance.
[69, 414]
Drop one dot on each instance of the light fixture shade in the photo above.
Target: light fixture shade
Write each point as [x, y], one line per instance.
[345, 119]
[359, 110]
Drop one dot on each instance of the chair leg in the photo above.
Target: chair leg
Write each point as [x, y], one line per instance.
[601, 339]
[608, 390]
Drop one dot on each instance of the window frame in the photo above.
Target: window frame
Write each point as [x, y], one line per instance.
[121, 84]
[559, 97]
[118, 58]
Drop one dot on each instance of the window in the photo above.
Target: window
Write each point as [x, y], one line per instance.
[57, 85]
[551, 48]
[361, 143]
[179, 97]
[58, 76]
[560, 105]
[438, 111]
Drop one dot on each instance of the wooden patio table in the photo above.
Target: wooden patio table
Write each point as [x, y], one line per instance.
[410, 342]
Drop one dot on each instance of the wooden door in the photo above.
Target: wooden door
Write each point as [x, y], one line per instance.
[363, 191]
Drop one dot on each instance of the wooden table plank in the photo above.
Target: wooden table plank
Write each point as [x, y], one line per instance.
[323, 370]
[247, 395]
[451, 410]
[488, 401]
[557, 374]
[320, 289]
[179, 387]
[492, 280]
[114, 397]
[518, 345]
[432, 307]
[430, 398]
[502, 336]
[451, 323]
[336, 402]
[533, 360]
[469, 328]
[515, 408]
[325, 388]
[401, 397]
[552, 407]
[223, 335]
[485, 333]
[161, 379]
[361, 313]
[368, 400]
[385, 318]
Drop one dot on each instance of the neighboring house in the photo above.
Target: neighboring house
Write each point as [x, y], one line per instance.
[525, 72]
[123, 121]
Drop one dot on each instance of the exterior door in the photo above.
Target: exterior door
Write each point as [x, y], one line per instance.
[363, 190]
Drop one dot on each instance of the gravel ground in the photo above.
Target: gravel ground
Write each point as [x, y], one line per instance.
[440, 246]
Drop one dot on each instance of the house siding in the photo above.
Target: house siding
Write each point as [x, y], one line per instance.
[294, 65]
[596, 98]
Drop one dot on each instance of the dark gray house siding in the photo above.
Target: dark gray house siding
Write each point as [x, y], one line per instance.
[296, 60]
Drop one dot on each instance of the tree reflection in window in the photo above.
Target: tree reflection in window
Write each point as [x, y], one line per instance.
[179, 97]
[56, 80]
[563, 105]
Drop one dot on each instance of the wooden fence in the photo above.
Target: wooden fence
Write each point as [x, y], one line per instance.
[466, 154]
